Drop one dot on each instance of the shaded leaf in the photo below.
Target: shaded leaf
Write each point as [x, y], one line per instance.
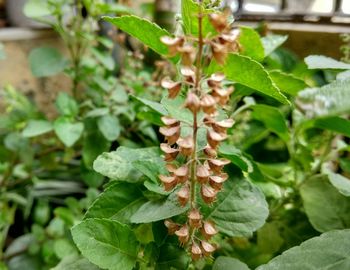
[228, 263]
[333, 123]
[172, 257]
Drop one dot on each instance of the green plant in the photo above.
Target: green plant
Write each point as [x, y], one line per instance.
[286, 182]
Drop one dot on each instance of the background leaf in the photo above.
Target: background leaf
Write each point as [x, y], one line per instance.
[324, 62]
[228, 263]
[106, 243]
[325, 207]
[67, 131]
[36, 128]
[341, 183]
[329, 251]
[46, 61]
[333, 123]
[272, 42]
[109, 126]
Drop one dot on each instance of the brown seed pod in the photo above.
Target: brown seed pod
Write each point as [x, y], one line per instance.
[172, 43]
[169, 182]
[195, 218]
[196, 252]
[215, 80]
[216, 181]
[207, 248]
[210, 152]
[181, 174]
[208, 230]
[215, 138]
[188, 55]
[208, 104]
[171, 134]
[188, 73]
[186, 145]
[183, 234]
[222, 95]
[208, 194]
[219, 53]
[219, 21]
[223, 125]
[217, 164]
[169, 121]
[173, 88]
[208, 120]
[170, 153]
[192, 102]
[183, 195]
[170, 167]
[171, 226]
[202, 174]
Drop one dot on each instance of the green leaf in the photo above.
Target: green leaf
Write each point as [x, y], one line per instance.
[66, 105]
[228, 263]
[272, 119]
[269, 238]
[324, 62]
[334, 123]
[68, 132]
[172, 257]
[118, 202]
[74, 262]
[145, 31]
[288, 83]
[109, 126]
[36, 8]
[155, 106]
[104, 58]
[330, 251]
[251, 44]
[189, 10]
[272, 42]
[36, 128]
[46, 61]
[331, 99]
[240, 209]
[158, 210]
[239, 68]
[106, 243]
[118, 165]
[325, 207]
[341, 183]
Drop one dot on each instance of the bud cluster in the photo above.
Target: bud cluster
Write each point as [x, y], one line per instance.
[188, 166]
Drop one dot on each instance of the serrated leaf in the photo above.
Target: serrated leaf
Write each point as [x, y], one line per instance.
[147, 32]
[46, 61]
[341, 183]
[251, 44]
[324, 62]
[240, 208]
[36, 128]
[272, 42]
[272, 119]
[118, 165]
[228, 263]
[325, 207]
[189, 12]
[331, 99]
[118, 202]
[330, 251]
[239, 68]
[106, 243]
[288, 83]
[68, 132]
[158, 210]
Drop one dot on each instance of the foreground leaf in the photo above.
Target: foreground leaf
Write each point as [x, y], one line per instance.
[251, 44]
[74, 262]
[324, 62]
[239, 68]
[330, 251]
[228, 263]
[147, 32]
[118, 165]
[106, 243]
[118, 202]
[288, 83]
[240, 209]
[325, 207]
[158, 210]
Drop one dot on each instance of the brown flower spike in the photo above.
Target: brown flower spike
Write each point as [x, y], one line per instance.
[187, 165]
